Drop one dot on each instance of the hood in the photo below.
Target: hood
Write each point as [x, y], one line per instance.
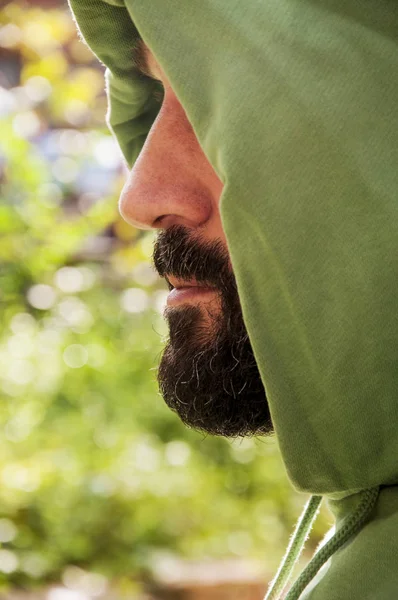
[294, 103]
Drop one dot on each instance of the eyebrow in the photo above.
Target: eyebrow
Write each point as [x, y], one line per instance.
[140, 59]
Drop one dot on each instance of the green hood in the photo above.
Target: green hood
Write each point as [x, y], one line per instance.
[294, 102]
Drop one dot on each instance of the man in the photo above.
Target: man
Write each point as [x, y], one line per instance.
[207, 373]
[263, 142]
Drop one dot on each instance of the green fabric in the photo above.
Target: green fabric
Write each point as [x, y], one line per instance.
[352, 523]
[295, 104]
[366, 568]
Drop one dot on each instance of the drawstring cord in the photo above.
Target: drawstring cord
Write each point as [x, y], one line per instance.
[294, 548]
[352, 524]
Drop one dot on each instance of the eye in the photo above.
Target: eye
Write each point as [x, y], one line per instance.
[158, 93]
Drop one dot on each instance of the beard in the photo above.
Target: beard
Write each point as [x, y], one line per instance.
[207, 373]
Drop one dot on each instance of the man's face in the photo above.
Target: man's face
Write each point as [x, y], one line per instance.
[207, 373]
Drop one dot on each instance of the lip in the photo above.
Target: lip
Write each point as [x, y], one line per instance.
[186, 294]
[180, 283]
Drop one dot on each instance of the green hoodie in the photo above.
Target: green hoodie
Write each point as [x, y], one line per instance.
[295, 104]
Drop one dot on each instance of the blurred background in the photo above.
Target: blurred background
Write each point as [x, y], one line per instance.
[103, 492]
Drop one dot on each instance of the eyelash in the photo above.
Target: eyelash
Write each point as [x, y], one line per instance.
[158, 94]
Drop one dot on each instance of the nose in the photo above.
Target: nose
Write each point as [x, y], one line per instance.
[169, 183]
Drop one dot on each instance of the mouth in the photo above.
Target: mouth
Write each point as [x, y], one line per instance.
[180, 284]
[189, 294]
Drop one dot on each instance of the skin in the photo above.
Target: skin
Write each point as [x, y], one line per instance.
[208, 373]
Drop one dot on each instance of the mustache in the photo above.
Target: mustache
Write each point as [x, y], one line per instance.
[180, 253]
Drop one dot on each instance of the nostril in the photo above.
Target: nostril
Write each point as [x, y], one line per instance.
[158, 222]
[166, 221]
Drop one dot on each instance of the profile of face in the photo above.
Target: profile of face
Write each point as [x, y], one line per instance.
[207, 373]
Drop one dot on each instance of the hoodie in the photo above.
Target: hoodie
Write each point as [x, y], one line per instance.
[294, 103]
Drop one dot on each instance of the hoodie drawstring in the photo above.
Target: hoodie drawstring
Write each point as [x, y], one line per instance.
[294, 548]
[352, 524]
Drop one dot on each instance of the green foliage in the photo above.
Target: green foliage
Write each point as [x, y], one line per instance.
[95, 471]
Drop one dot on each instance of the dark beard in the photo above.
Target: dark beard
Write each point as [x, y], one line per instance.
[208, 374]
